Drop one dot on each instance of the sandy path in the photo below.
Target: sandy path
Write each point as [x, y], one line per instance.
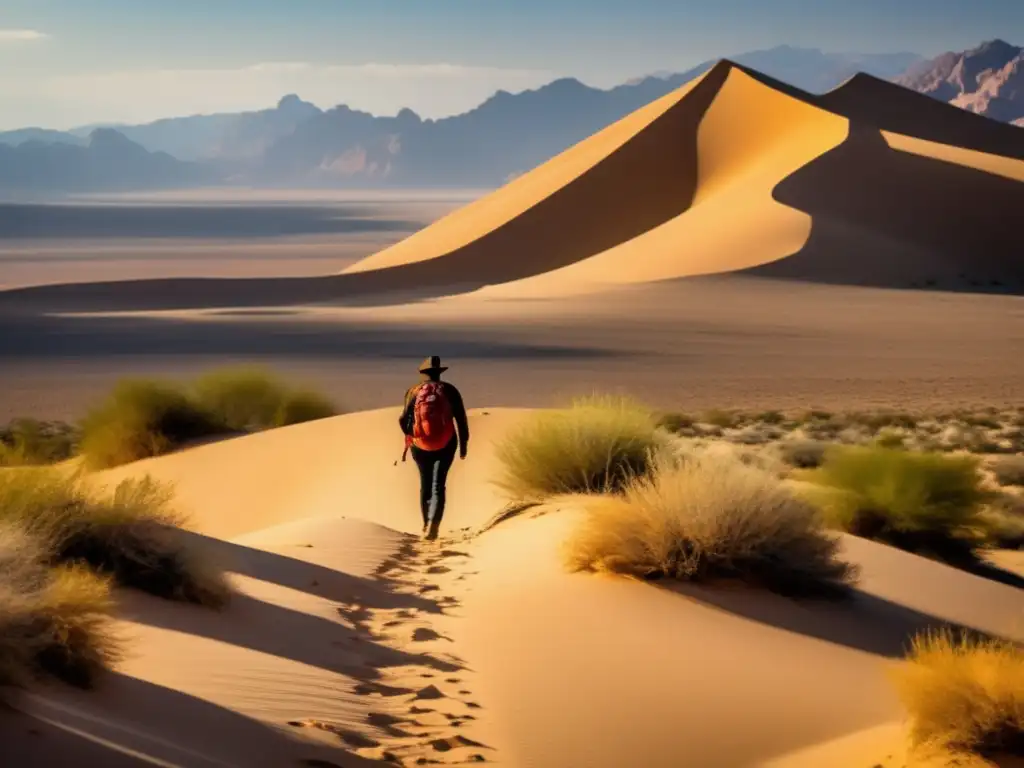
[429, 714]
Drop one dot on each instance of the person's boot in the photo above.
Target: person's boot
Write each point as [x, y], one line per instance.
[432, 532]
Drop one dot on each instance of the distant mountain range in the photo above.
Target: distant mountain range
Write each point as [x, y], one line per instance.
[105, 160]
[988, 80]
[298, 144]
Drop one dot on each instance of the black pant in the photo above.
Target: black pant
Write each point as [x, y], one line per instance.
[434, 466]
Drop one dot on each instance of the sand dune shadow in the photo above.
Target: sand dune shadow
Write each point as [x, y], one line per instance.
[885, 217]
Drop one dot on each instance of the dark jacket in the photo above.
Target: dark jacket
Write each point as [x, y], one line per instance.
[407, 418]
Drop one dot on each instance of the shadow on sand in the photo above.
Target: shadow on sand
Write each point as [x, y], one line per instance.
[131, 723]
[41, 338]
[272, 629]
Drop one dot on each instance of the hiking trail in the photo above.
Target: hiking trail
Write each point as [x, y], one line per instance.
[422, 710]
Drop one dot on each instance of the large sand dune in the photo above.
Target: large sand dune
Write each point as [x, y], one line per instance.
[350, 640]
[870, 184]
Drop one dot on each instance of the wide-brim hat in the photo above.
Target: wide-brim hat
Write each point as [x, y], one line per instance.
[432, 365]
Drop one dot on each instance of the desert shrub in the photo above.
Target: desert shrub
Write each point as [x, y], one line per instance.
[252, 399]
[1002, 529]
[674, 422]
[26, 442]
[53, 622]
[242, 398]
[722, 419]
[130, 534]
[141, 419]
[1002, 522]
[711, 517]
[816, 415]
[594, 446]
[888, 437]
[765, 459]
[1008, 470]
[803, 454]
[981, 420]
[756, 434]
[877, 420]
[964, 694]
[917, 501]
[771, 417]
[300, 406]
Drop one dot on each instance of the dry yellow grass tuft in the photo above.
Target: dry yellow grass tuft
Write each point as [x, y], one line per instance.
[130, 534]
[964, 696]
[711, 517]
[53, 622]
[594, 446]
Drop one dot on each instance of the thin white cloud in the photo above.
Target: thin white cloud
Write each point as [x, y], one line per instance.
[21, 35]
[430, 89]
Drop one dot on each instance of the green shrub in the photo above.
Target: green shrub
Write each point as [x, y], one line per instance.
[242, 398]
[25, 442]
[142, 419]
[710, 517]
[302, 406]
[889, 438]
[130, 534]
[918, 501]
[254, 399]
[53, 622]
[594, 446]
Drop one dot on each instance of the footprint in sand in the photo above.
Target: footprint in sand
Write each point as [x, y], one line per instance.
[437, 570]
[429, 693]
[357, 740]
[351, 738]
[425, 634]
[454, 742]
[387, 691]
[389, 724]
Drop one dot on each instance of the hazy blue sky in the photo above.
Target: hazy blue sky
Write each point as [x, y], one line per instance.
[67, 62]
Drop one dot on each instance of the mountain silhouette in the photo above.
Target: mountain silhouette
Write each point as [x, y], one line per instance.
[108, 161]
[296, 143]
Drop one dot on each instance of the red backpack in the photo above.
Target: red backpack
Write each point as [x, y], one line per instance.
[434, 424]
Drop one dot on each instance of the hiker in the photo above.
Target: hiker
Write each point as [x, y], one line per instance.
[435, 426]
